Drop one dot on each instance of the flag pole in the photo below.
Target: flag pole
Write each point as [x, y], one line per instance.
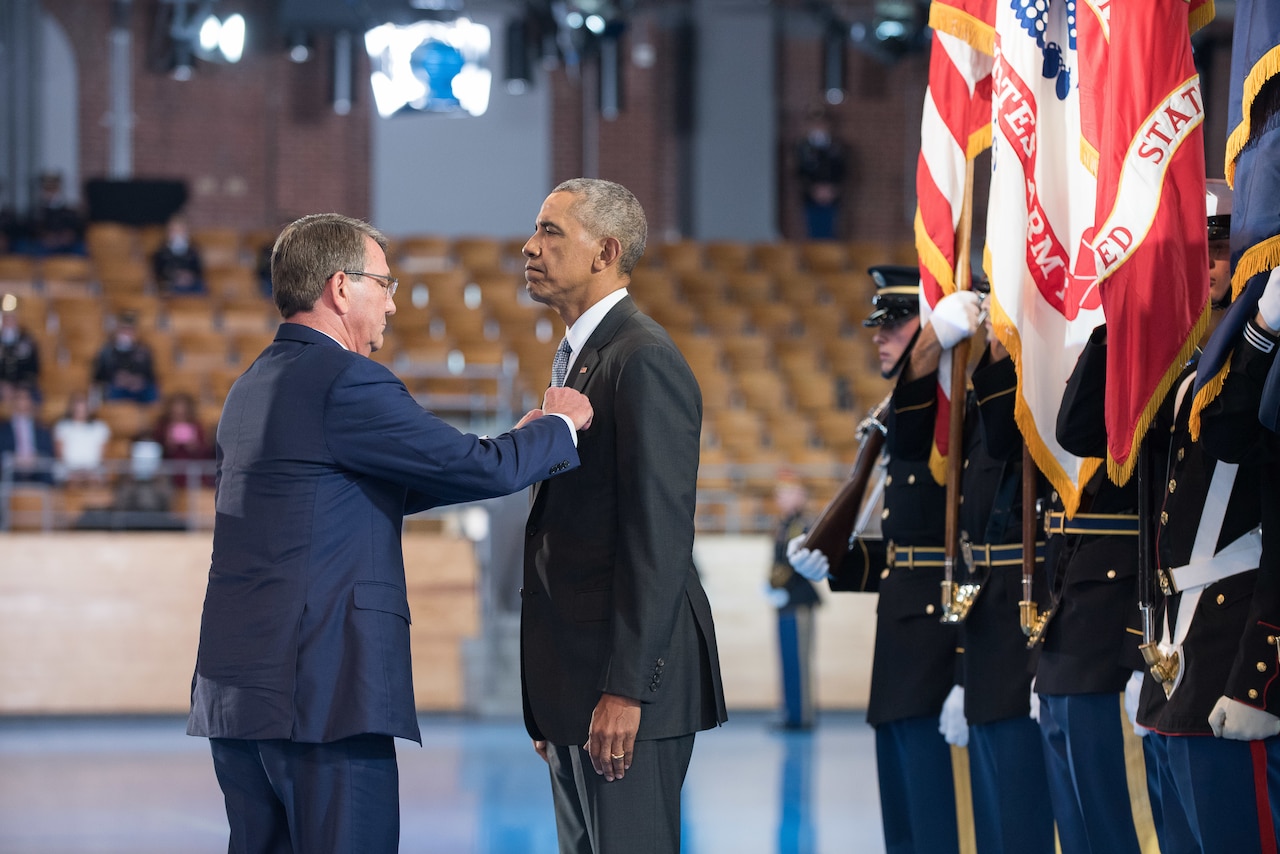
[955, 605]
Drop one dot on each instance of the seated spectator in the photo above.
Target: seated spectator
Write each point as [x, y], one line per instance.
[56, 227]
[25, 441]
[80, 439]
[143, 489]
[123, 368]
[176, 264]
[179, 432]
[19, 358]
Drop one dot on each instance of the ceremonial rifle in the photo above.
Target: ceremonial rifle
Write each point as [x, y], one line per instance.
[831, 532]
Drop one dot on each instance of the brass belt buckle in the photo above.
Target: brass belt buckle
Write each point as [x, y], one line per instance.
[891, 554]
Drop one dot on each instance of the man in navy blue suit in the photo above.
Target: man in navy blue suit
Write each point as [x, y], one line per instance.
[303, 677]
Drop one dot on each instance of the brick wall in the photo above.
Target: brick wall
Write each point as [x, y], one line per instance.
[257, 143]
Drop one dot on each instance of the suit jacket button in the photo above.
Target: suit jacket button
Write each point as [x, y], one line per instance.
[661, 663]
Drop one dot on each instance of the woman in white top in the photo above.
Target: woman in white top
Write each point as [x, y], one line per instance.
[80, 440]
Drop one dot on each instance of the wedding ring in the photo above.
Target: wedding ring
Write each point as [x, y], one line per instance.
[617, 756]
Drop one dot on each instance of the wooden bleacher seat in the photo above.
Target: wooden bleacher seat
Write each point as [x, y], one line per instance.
[824, 256]
[123, 275]
[250, 318]
[201, 349]
[776, 258]
[219, 247]
[150, 238]
[837, 430]
[677, 256]
[674, 315]
[824, 321]
[776, 319]
[763, 389]
[127, 419]
[750, 287]
[421, 253]
[111, 240]
[800, 289]
[739, 431]
[726, 319]
[813, 391]
[745, 352]
[727, 255]
[702, 288]
[853, 290]
[189, 314]
[479, 255]
[18, 274]
[145, 307]
[719, 390]
[652, 285]
[31, 308]
[234, 285]
[66, 275]
[30, 507]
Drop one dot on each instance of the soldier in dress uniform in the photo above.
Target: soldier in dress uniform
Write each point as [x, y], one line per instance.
[915, 658]
[1089, 648]
[1208, 544]
[1239, 426]
[1011, 806]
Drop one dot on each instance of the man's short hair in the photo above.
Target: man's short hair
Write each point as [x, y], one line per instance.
[606, 209]
[312, 249]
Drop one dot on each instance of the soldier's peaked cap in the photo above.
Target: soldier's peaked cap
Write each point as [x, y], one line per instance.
[897, 294]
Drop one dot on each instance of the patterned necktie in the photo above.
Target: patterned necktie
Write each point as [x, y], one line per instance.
[560, 366]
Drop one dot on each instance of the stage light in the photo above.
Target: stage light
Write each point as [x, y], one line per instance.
[430, 66]
[210, 32]
[299, 47]
[231, 39]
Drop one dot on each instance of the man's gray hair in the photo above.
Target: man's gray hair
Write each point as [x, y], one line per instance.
[312, 249]
[606, 209]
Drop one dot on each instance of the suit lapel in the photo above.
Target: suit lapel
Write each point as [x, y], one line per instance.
[584, 366]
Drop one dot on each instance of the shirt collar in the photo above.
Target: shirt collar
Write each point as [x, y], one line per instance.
[578, 334]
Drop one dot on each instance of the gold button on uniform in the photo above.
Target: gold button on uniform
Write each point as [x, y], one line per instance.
[888, 481]
[1221, 598]
[928, 609]
[1164, 517]
[884, 514]
[1111, 573]
[1271, 639]
[884, 573]
[1173, 484]
[911, 478]
[1253, 693]
[966, 463]
[1262, 667]
[1182, 453]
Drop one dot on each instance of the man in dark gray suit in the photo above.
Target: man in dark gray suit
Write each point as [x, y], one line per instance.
[618, 650]
[303, 675]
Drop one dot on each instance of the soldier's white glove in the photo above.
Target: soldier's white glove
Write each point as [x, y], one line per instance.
[1269, 303]
[955, 318]
[1240, 722]
[1034, 714]
[810, 563]
[1132, 691]
[951, 723]
[778, 596]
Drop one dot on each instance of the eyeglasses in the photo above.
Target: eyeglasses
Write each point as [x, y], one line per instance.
[388, 282]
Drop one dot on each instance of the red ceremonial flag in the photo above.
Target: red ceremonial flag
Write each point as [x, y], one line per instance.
[1150, 247]
[955, 128]
[1044, 301]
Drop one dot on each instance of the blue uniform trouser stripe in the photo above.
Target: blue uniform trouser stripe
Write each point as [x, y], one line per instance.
[1085, 763]
[917, 789]
[1202, 794]
[1012, 813]
[795, 646]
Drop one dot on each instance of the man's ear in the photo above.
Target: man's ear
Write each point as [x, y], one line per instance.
[337, 293]
[610, 251]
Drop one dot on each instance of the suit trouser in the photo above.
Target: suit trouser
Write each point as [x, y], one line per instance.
[1085, 762]
[341, 797]
[1205, 794]
[917, 787]
[795, 652]
[1012, 813]
[636, 814]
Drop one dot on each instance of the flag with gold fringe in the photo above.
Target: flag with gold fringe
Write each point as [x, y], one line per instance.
[955, 129]
[1253, 169]
[1149, 246]
[1044, 301]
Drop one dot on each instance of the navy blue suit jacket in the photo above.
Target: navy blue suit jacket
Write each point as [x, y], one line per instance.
[320, 454]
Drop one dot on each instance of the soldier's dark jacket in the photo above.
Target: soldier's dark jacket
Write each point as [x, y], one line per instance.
[914, 663]
[1091, 643]
[1231, 432]
[996, 664]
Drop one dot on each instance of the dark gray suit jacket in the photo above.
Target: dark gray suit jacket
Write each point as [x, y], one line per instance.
[321, 453]
[611, 599]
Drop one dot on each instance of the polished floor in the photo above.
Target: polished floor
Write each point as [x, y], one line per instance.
[141, 786]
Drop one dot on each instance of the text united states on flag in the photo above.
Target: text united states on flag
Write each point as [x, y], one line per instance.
[956, 128]
[1044, 300]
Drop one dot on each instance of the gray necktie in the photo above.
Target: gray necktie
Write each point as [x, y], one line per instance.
[560, 366]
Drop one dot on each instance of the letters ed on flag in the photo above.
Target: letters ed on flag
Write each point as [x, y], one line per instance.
[1150, 245]
[955, 128]
[1044, 301]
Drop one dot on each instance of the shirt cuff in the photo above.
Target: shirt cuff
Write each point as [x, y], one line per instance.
[1257, 338]
[573, 431]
